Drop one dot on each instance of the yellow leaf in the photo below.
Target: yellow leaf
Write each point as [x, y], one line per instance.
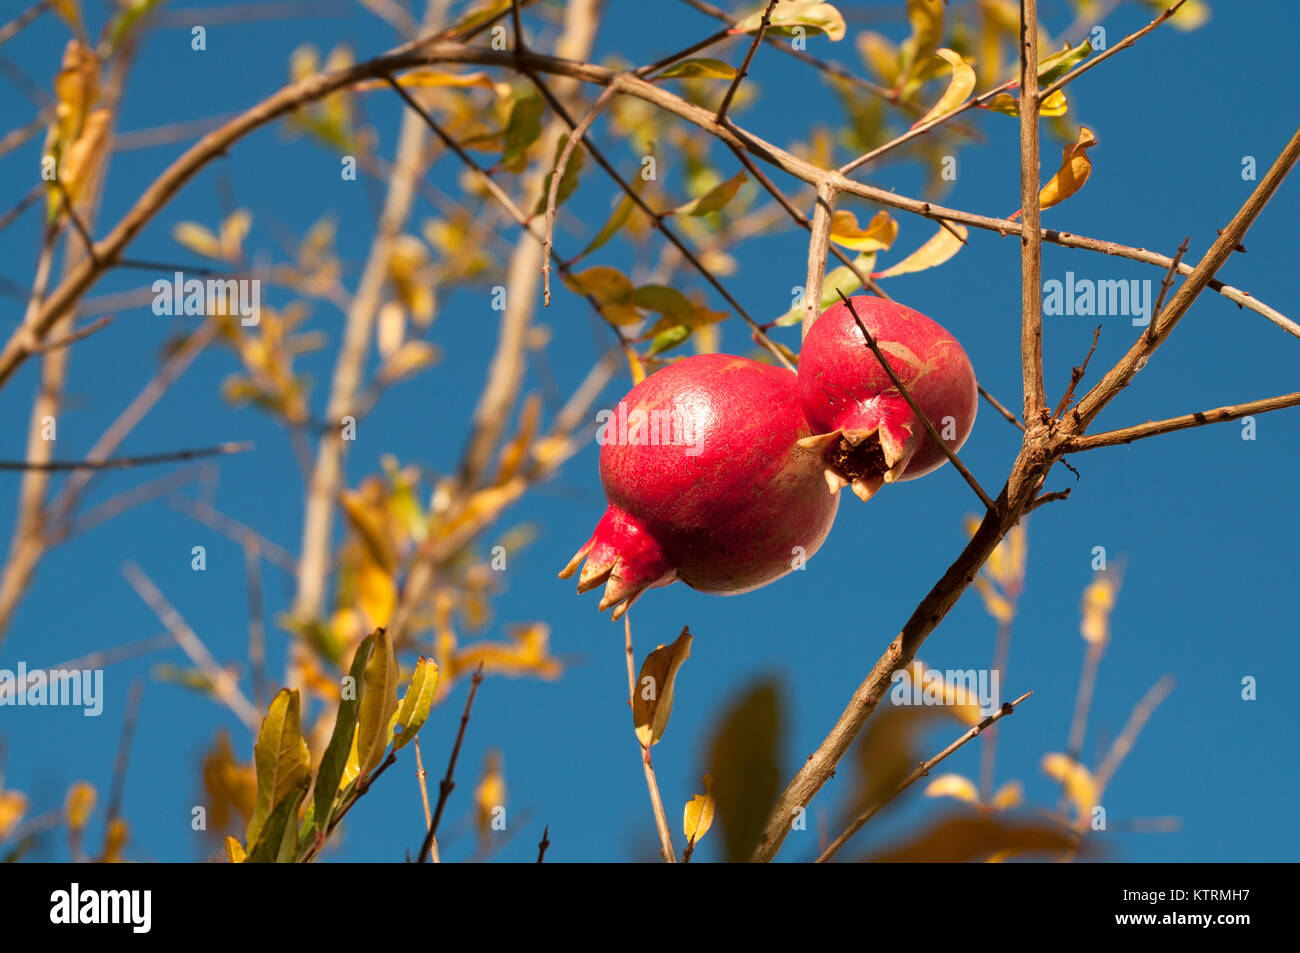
[1078, 782]
[76, 87]
[1054, 105]
[430, 78]
[1098, 601]
[352, 767]
[513, 453]
[960, 86]
[998, 605]
[812, 16]
[411, 357]
[235, 853]
[635, 367]
[1192, 14]
[280, 754]
[955, 786]
[652, 702]
[611, 289]
[197, 239]
[376, 593]
[939, 248]
[114, 840]
[414, 710]
[378, 703]
[1074, 171]
[69, 12]
[1010, 795]
[490, 795]
[526, 654]
[78, 805]
[926, 18]
[877, 236]
[698, 816]
[13, 806]
[406, 261]
[881, 55]
[82, 159]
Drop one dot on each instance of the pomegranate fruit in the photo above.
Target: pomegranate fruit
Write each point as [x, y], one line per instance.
[863, 427]
[706, 483]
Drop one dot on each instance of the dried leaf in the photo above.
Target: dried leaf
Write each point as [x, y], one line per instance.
[652, 702]
[13, 806]
[235, 853]
[964, 839]
[612, 289]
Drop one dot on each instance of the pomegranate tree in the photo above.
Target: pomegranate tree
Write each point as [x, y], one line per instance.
[707, 483]
[863, 427]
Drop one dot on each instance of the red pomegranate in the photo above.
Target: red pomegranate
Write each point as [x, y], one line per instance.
[864, 429]
[706, 483]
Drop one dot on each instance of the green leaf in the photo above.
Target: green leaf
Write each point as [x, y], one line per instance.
[668, 339]
[701, 68]
[746, 773]
[612, 289]
[568, 181]
[1058, 64]
[281, 759]
[715, 199]
[615, 221]
[340, 745]
[522, 130]
[842, 278]
[667, 301]
[378, 702]
[413, 712]
[127, 20]
[277, 842]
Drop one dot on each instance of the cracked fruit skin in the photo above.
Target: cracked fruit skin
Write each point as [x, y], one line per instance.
[864, 429]
[732, 504]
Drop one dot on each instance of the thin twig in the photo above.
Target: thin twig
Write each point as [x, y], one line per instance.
[1123, 744]
[818, 242]
[123, 757]
[1000, 408]
[907, 396]
[557, 175]
[422, 776]
[223, 684]
[744, 66]
[543, 843]
[121, 463]
[924, 768]
[447, 784]
[1166, 284]
[1076, 375]
[656, 802]
[1098, 60]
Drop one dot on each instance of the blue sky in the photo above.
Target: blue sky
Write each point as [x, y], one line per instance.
[1202, 520]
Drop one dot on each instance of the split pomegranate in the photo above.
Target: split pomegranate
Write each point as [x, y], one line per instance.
[706, 483]
[864, 429]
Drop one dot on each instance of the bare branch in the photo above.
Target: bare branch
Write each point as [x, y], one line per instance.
[121, 463]
[744, 66]
[656, 802]
[1153, 428]
[820, 229]
[1031, 243]
[1121, 45]
[447, 784]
